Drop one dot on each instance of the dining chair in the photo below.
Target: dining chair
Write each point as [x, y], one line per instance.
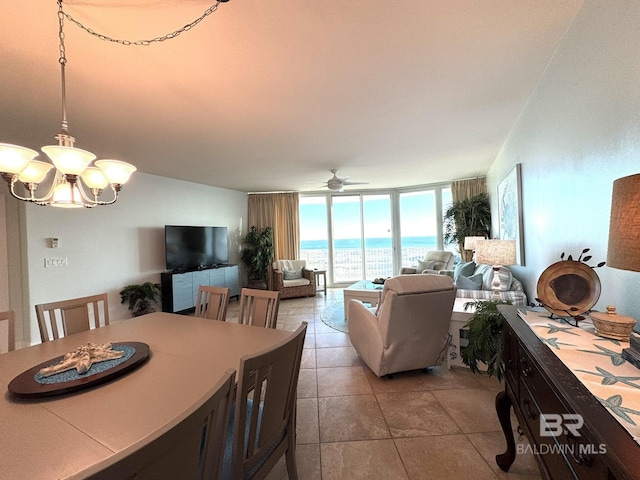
[263, 416]
[212, 302]
[190, 446]
[259, 307]
[8, 324]
[66, 317]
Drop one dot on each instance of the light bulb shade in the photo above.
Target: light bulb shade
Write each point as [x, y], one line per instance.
[116, 171]
[624, 225]
[69, 160]
[496, 252]
[66, 196]
[13, 158]
[94, 178]
[470, 242]
[35, 172]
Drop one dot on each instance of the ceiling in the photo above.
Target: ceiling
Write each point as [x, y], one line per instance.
[269, 96]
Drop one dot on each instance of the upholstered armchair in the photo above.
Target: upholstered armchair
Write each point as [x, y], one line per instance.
[292, 279]
[434, 261]
[410, 328]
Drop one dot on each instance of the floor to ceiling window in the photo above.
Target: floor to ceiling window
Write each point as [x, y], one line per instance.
[367, 235]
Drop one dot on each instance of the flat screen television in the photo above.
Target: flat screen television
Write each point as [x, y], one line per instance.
[191, 247]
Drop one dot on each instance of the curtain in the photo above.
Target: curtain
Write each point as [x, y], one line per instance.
[462, 190]
[280, 212]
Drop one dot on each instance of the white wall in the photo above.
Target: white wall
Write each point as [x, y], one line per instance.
[112, 246]
[579, 132]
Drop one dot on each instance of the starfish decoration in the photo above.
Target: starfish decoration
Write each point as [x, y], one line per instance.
[611, 379]
[553, 342]
[82, 358]
[615, 357]
[614, 403]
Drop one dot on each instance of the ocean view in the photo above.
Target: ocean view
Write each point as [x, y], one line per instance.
[378, 256]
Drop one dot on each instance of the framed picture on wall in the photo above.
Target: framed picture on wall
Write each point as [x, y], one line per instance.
[510, 210]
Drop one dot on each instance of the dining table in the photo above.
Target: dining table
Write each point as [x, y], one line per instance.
[60, 436]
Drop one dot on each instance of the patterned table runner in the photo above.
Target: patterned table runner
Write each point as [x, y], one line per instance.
[596, 361]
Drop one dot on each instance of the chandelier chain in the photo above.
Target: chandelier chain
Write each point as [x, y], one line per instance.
[145, 43]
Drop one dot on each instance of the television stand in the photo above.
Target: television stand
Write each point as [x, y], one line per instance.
[180, 289]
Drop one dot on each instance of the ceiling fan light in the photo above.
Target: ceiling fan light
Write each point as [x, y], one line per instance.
[94, 178]
[35, 172]
[13, 158]
[69, 160]
[116, 171]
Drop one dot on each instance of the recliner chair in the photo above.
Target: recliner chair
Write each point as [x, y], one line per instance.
[410, 328]
[434, 261]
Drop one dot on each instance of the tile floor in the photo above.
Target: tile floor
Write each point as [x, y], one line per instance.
[353, 425]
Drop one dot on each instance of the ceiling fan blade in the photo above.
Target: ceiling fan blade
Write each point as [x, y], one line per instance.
[355, 183]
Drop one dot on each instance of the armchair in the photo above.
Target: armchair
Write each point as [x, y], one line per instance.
[434, 261]
[410, 328]
[292, 279]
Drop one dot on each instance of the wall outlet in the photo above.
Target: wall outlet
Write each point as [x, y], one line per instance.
[55, 262]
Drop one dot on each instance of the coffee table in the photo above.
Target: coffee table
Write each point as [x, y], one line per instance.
[364, 291]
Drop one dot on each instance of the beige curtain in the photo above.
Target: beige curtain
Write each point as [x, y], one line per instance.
[461, 190]
[280, 212]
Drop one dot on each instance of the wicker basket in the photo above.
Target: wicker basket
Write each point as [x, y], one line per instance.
[612, 325]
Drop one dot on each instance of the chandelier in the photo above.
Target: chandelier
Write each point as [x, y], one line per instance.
[77, 182]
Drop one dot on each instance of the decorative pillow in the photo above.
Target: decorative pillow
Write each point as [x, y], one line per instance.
[463, 270]
[425, 265]
[292, 274]
[474, 282]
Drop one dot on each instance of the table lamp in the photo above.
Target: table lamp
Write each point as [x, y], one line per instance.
[623, 251]
[470, 243]
[497, 253]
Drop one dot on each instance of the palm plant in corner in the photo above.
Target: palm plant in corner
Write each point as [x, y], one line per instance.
[141, 297]
[257, 255]
[486, 344]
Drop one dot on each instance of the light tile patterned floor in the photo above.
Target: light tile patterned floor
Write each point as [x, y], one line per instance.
[353, 425]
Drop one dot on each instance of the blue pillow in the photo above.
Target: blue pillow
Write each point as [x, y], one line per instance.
[292, 274]
[473, 282]
[464, 270]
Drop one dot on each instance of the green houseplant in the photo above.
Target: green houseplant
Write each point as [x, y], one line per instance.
[141, 297]
[486, 344]
[257, 255]
[465, 218]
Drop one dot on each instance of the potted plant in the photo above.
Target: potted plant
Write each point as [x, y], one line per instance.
[257, 255]
[486, 344]
[467, 217]
[141, 297]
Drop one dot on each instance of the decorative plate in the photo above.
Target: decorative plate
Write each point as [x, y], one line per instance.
[568, 288]
[31, 384]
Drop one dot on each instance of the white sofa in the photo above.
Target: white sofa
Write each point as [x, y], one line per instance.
[478, 282]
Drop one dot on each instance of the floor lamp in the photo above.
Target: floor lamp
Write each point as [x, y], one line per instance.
[497, 253]
[623, 251]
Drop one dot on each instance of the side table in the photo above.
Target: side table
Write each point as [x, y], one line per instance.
[321, 287]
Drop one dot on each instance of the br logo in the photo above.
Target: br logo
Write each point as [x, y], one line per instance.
[554, 425]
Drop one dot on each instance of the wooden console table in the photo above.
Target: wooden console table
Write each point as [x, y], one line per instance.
[538, 383]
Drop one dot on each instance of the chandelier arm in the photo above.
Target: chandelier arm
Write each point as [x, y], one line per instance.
[96, 192]
[144, 43]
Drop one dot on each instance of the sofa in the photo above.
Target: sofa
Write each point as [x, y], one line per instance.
[410, 328]
[293, 279]
[434, 261]
[475, 282]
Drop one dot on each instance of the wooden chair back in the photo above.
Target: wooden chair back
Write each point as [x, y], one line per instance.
[264, 423]
[190, 446]
[212, 302]
[259, 307]
[8, 325]
[59, 319]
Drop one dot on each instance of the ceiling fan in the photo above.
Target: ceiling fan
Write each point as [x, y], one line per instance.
[337, 184]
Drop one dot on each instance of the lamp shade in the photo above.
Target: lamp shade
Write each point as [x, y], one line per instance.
[496, 252]
[14, 158]
[470, 242]
[624, 225]
[35, 172]
[116, 171]
[69, 160]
